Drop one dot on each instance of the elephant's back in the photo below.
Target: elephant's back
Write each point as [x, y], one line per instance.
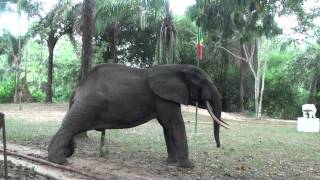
[112, 83]
[111, 72]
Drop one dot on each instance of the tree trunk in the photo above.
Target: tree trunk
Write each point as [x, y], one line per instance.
[241, 81]
[17, 73]
[87, 34]
[257, 80]
[261, 93]
[113, 41]
[224, 75]
[313, 90]
[260, 78]
[87, 37]
[50, 74]
[113, 49]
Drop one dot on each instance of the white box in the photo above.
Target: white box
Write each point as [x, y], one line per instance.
[308, 124]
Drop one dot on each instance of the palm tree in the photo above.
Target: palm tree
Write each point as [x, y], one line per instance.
[111, 17]
[87, 33]
[12, 46]
[166, 52]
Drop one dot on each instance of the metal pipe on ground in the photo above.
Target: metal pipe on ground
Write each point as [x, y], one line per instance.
[2, 125]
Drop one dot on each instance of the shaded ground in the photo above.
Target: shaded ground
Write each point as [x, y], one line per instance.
[250, 150]
[19, 172]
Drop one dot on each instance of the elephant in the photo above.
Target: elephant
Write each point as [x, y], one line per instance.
[114, 96]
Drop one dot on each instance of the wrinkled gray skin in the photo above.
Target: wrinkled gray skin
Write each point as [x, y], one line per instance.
[115, 96]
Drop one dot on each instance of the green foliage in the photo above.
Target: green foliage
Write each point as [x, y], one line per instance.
[30, 7]
[120, 33]
[66, 69]
[186, 40]
[134, 28]
[280, 99]
[7, 90]
[141, 50]
[10, 44]
[226, 80]
[37, 95]
[281, 96]
[240, 20]
[166, 52]
[112, 11]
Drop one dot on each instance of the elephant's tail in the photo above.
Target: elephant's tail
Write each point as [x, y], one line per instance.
[71, 100]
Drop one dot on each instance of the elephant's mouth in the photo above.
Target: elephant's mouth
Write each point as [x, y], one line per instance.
[220, 122]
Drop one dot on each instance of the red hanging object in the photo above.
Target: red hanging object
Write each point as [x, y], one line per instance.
[200, 44]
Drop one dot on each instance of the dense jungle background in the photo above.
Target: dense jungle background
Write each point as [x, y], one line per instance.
[262, 55]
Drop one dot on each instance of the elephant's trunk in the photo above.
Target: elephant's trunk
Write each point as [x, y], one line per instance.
[216, 124]
[216, 133]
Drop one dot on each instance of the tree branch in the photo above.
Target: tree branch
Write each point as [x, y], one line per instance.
[236, 56]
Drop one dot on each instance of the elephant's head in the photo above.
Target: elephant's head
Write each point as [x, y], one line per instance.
[187, 84]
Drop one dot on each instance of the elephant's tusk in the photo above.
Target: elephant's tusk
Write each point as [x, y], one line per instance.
[209, 108]
[224, 122]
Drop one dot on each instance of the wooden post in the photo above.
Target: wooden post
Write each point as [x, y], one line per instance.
[2, 125]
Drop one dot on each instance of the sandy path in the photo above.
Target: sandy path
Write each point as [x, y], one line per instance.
[56, 112]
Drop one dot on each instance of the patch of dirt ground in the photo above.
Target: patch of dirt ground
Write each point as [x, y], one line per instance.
[56, 111]
[35, 111]
[19, 172]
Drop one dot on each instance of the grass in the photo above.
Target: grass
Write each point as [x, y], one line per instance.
[249, 150]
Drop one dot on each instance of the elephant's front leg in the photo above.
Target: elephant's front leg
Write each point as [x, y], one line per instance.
[78, 119]
[172, 154]
[61, 146]
[175, 134]
[179, 139]
[103, 150]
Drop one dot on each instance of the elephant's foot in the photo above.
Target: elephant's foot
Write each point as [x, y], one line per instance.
[60, 147]
[69, 150]
[171, 160]
[57, 158]
[103, 151]
[185, 164]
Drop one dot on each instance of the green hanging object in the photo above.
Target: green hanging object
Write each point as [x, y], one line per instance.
[199, 60]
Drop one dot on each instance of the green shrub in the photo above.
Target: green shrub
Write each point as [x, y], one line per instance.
[6, 91]
[38, 96]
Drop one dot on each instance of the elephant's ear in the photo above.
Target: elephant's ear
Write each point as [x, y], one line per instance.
[168, 85]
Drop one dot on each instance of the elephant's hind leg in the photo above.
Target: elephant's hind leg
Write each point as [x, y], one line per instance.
[78, 119]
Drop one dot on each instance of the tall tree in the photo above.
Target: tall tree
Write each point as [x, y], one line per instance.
[58, 22]
[28, 6]
[117, 19]
[307, 65]
[111, 16]
[12, 46]
[166, 50]
[242, 21]
[137, 38]
[16, 44]
[87, 33]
